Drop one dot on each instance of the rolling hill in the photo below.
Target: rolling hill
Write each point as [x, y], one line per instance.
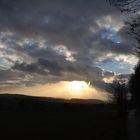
[24, 103]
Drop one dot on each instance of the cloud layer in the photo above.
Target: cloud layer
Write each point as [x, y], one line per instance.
[47, 41]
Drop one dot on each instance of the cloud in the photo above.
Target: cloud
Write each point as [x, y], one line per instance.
[61, 68]
[45, 41]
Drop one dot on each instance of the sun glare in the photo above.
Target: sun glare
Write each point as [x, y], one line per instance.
[63, 89]
[78, 86]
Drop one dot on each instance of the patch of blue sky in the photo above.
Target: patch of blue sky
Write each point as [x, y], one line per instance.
[110, 34]
[4, 63]
[119, 67]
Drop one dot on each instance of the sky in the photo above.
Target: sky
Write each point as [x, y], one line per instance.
[57, 42]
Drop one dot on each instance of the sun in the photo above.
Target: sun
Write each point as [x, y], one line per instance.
[78, 86]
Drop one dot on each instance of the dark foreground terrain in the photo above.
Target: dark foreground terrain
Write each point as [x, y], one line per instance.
[23, 117]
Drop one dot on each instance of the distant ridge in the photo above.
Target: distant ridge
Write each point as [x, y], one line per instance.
[51, 99]
[16, 102]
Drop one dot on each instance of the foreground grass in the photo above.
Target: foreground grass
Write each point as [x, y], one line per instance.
[25, 117]
[97, 125]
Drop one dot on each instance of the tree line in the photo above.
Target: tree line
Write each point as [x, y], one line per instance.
[131, 9]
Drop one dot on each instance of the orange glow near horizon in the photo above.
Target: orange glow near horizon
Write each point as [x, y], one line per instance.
[62, 89]
[78, 86]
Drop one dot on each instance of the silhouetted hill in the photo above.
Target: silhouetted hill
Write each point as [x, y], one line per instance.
[23, 103]
[40, 117]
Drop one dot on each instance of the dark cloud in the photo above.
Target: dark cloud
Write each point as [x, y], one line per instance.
[60, 22]
[42, 67]
[108, 74]
[59, 68]
[44, 41]
[9, 75]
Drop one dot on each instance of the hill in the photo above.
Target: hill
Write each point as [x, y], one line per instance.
[23, 103]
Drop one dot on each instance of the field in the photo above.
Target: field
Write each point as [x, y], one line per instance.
[60, 120]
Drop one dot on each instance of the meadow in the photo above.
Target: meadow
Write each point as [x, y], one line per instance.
[45, 118]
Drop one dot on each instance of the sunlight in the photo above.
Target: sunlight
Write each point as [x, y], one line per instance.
[77, 86]
[63, 89]
[79, 89]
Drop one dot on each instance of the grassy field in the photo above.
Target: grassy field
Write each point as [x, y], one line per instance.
[62, 125]
[32, 118]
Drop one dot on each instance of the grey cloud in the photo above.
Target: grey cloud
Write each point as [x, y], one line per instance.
[10, 78]
[42, 67]
[57, 22]
[103, 45]
[108, 74]
[60, 68]
[9, 75]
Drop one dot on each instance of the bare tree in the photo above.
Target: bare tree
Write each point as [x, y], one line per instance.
[120, 97]
[128, 6]
[132, 8]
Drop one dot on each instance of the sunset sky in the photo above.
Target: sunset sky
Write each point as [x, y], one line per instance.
[63, 48]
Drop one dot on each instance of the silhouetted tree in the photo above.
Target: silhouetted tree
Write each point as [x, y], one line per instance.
[134, 86]
[120, 97]
[128, 6]
[132, 8]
